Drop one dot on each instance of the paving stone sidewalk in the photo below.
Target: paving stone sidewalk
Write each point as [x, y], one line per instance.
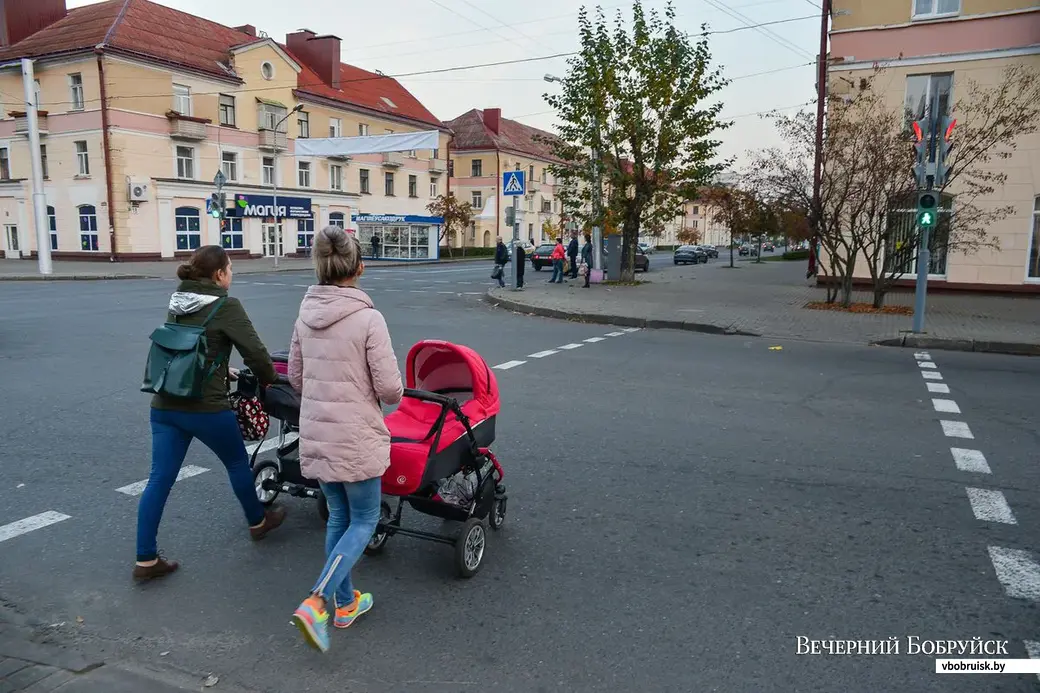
[768, 300]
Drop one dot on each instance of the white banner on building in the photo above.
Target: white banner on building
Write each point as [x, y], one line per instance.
[369, 144]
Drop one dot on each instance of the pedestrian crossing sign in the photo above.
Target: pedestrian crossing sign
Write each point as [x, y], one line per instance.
[513, 183]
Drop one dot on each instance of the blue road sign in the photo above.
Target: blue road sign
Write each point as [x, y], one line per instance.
[513, 183]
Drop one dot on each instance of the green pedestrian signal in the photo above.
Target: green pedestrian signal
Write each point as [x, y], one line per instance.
[926, 210]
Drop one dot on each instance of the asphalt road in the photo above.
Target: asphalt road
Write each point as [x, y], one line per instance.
[682, 508]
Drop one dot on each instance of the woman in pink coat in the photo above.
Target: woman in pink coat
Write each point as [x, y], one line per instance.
[343, 364]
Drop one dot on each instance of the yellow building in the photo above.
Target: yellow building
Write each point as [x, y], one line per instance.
[929, 49]
[484, 146]
[142, 105]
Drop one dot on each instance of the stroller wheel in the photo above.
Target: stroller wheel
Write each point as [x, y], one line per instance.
[378, 541]
[497, 518]
[266, 471]
[469, 547]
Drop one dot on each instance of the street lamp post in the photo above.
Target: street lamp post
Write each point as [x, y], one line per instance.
[274, 182]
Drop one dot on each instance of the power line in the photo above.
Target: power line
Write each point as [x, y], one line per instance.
[744, 19]
[438, 3]
[507, 26]
[755, 26]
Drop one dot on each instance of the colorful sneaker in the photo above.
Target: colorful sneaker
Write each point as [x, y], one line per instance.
[313, 621]
[344, 616]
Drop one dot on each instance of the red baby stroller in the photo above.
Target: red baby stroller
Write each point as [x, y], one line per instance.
[440, 460]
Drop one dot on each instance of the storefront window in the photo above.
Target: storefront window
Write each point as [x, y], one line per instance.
[397, 241]
[231, 238]
[337, 219]
[88, 235]
[304, 233]
[188, 225]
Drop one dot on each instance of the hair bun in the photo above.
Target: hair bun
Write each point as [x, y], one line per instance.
[186, 272]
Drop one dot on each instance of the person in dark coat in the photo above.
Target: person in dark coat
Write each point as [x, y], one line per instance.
[521, 259]
[501, 260]
[586, 257]
[572, 254]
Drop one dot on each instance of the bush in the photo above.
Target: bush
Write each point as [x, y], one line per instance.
[796, 255]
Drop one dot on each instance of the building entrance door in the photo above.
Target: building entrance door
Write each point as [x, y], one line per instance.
[11, 237]
[272, 240]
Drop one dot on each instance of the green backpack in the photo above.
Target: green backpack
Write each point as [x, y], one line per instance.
[176, 363]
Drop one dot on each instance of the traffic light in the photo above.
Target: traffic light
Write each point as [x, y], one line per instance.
[213, 207]
[927, 209]
[944, 146]
[921, 138]
[510, 217]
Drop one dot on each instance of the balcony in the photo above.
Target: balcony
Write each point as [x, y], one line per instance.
[184, 127]
[438, 165]
[533, 186]
[273, 141]
[393, 159]
[21, 122]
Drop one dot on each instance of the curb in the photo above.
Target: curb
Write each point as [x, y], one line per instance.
[973, 345]
[618, 320]
[70, 277]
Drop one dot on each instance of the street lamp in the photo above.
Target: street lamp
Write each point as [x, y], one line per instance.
[274, 182]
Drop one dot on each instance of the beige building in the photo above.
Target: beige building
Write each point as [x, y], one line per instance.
[930, 48]
[698, 216]
[142, 105]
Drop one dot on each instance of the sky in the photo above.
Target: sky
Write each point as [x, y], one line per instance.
[398, 37]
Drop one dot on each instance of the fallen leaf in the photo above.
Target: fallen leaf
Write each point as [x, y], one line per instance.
[163, 654]
[211, 681]
[776, 348]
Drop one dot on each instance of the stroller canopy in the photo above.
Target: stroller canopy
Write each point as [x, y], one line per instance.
[456, 371]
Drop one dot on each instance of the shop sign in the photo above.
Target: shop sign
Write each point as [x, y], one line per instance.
[395, 219]
[263, 206]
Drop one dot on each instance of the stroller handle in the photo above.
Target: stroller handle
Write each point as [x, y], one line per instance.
[427, 396]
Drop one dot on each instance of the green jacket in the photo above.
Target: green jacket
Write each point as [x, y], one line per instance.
[191, 304]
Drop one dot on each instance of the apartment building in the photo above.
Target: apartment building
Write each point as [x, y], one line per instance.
[485, 145]
[142, 105]
[698, 215]
[929, 49]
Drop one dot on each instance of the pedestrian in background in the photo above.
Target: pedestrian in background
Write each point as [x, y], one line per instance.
[375, 247]
[586, 258]
[501, 260]
[202, 299]
[521, 264]
[557, 257]
[342, 362]
[572, 253]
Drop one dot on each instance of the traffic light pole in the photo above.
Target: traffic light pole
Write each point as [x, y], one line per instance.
[924, 255]
[516, 243]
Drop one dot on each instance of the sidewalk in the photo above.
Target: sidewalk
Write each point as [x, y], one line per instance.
[768, 299]
[28, 270]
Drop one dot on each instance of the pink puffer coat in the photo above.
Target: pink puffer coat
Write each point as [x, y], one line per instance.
[343, 364]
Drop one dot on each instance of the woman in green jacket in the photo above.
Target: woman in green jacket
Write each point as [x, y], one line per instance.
[177, 421]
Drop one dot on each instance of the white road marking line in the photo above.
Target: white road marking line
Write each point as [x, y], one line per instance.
[970, 460]
[29, 524]
[1017, 572]
[137, 488]
[473, 293]
[632, 329]
[569, 346]
[446, 292]
[542, 354]
[416, 291]
[932, 375]
[593, 340]
[302, 286]
[946, 405]
[441, 281]
[270, 443]
[938, 387]
[956, 429]
[509, 364]
[926, 364]
[256, 283]
[1033, 650]
[990, 506]
[395, 291]
[923, 356]
[614, 334]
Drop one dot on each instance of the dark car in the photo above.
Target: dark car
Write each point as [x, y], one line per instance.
[642, 262]
[689, 254]
[744, 250]
[768, 247]
[711, 250]
[542, 256]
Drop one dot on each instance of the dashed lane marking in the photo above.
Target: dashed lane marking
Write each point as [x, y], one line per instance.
[542, 354]
[593, 340]
[990, 506]
[932, 375]
[947, 406]
[970, 461]
[923, 356]
[570, 346]
[927, 364]
[137, 488]
[956, 429]
[631, 329]
[509, 364]
[614, 334]
[31, 524]
[1017, 572]
[939, 388]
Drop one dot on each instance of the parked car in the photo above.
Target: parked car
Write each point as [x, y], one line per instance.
[646, 248]
[768, 247]
[689, 254]
[642, 262]
[526, 245]
[744, 250]
[542, 256]
[711, 250]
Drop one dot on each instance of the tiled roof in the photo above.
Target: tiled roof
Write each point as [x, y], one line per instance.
[471, 133]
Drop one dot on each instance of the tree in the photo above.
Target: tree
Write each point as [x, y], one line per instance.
[733, 207]
[636, 98]
[689, 236]
[457, 216]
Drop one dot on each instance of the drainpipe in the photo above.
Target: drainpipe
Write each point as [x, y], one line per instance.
[106, 146]
[498, 196]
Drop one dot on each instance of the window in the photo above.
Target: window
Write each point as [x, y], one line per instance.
[436, 154]
[335, 127]
[477, 168]
[226, 106]
[336, 177]
[52, 223]
[696, 210]
[229, 165]
[530, 173]
[1034, 243]
[5, 164]
[43, 160]
[186, 163]
[477, 200]
[413, 186]
[304, 121]
[83, 158]
[267, 163]
[188, 225]
[362, 129]
[364, 182]
[267, 71]
[304, 177]
[530, 230]
[182, 99]
[304, 233]
[337, 219]
[397, 241]
[935, 8]
[433, 188]
[271, 115]
[231, 237]
[88, 235]
[545, 175]
[388, 185]
[76, 91]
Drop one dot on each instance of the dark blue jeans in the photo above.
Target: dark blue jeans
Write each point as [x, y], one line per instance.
[172, 433]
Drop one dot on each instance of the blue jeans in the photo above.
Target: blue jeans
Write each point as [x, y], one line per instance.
[557, 276]
[353, 516]
[172, 433]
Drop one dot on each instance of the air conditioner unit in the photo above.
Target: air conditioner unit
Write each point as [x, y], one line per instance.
[138, 190]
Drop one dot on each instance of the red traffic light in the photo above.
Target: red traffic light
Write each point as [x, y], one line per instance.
[949, 130]
[918, 134]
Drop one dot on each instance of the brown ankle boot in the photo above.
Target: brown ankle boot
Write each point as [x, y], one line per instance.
[273, 519]
[161, 568]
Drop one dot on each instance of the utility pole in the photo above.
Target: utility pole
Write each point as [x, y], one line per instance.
[274, 183]
[516, 241]
[39, 198]
[821, 101]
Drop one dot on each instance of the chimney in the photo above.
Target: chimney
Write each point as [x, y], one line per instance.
[247, 29]
[20, 19]
[319, 53]
[492, 119]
